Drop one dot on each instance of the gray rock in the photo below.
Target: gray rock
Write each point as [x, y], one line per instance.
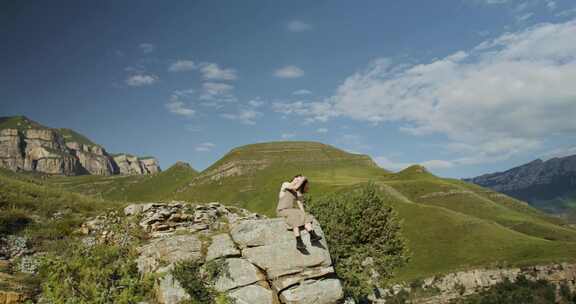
[326, 291]
[283, 258]
[284, 282]
[237, 273]
[165, 251]
[252, 233]
[169, 291]
[221, 246]
[252, 294]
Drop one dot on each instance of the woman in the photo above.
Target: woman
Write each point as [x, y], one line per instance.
[291, 208]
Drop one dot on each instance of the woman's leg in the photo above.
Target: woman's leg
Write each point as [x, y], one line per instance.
[308, 227]
[296, 231]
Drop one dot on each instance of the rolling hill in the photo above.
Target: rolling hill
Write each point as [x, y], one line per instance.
[449, 224]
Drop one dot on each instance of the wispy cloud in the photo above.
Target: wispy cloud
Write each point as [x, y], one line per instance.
[297, 26]
[205, 147]
[302, 92]
[141, 79]
[289, 71]
[216, 93]
[177, 103]
[322, 130]
[211, 71]
[245, 116]
[182, 66]
[180, 108]
[147, 47]
[256, 102]
[560, 152]
[485, 100]
[287, 135]
[392, 165]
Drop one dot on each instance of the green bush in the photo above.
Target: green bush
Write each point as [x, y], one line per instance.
[364, 236]
[195, 278]
[98, 274]
[13, 220]
[521, 291]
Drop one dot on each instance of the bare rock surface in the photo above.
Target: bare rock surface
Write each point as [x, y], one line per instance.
[33, 147]
[258, 256]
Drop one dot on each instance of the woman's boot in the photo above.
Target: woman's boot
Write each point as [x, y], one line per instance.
[314, 237]
[299, 244]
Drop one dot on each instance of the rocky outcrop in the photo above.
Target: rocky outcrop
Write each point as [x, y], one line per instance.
[59, 151]
[456, 285]
[93, 159]
[127, 164]
[258, 254]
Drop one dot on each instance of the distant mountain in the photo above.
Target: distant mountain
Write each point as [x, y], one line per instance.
[548, 185]
[26, 145]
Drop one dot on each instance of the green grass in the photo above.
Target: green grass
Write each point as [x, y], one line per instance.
[19, 122]
[73, 136]
[29, 208]
[449, 224]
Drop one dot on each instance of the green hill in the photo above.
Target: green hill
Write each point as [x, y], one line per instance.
[133, 188]
[450, 225]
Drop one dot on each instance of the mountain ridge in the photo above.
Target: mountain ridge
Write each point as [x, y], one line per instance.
[549, 185]
[30, 146]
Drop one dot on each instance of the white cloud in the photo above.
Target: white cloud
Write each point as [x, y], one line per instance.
[204, 147]
[245, 116]
[141, 79]
[214, 94]
[302, 92]
[560, 152]
[389, 164]
[182, 66]
[256, 102]
[177, 105]
[211, 71]
[179, 108]
[147, 47]
[321, 130]
[287, 135]
[296, 26]
[289, 71]
[503, 97]
[567, 13]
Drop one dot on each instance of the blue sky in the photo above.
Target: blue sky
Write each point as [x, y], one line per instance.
[464, 87]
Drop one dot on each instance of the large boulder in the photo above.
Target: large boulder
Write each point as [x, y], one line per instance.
[325, 291]
[256, 258]
[270, 246]
[221, 246]
[168, 250]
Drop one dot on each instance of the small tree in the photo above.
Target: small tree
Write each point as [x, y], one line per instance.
[364, 238]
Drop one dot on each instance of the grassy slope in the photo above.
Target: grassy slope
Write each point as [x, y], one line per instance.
[450, 225]
[160, 186]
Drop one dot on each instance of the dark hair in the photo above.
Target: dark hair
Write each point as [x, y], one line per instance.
[302, 186]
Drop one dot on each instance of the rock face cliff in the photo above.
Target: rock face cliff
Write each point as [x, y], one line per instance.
[543, 184]
[259, 254]
[28, 146]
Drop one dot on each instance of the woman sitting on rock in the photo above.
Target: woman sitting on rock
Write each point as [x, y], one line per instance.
[291, 208]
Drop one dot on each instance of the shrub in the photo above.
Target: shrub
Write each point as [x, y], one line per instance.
[521, 291]
[98, 274]
[364, 236]
[195, 278]
[13, 220]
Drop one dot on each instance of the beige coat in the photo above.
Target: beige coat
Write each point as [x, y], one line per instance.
[288, 206]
